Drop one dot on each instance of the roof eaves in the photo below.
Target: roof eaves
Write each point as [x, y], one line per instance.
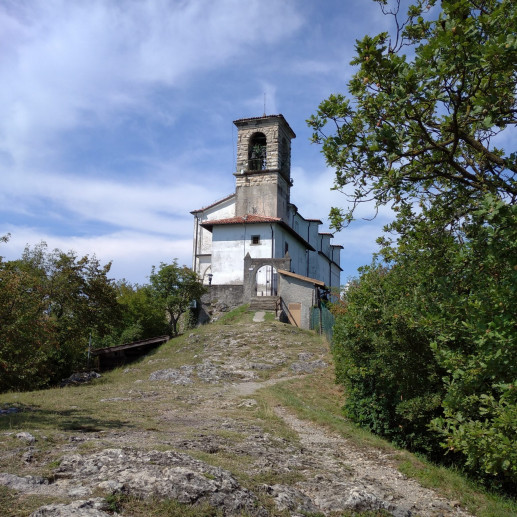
[307, 279]
[215, 203]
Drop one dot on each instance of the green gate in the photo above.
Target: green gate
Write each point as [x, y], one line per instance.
[322, 321]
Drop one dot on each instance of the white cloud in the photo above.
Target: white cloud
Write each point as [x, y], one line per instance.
[132, 253]
[70, 64]
[152, 207]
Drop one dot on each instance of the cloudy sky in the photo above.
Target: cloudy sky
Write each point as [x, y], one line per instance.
[116, 117]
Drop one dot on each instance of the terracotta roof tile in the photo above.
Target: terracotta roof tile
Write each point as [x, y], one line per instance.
[248, 219]
[255, 219]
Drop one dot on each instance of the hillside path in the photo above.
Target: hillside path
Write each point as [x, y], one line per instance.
[189, 422]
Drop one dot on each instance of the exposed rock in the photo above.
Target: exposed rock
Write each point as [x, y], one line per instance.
[29, 484]
[159, 474]
[91, 508]
[179, 376]
[9, 410]
[289, 498]
[308, 366]
[26, 437]
[79, 378]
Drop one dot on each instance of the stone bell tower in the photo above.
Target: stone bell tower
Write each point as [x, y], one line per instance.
[263, 176]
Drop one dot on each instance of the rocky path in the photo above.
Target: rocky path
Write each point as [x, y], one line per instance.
[351, 478]
[209, 438]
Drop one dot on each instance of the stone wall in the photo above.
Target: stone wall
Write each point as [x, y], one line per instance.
[251, 266]
[219, 299]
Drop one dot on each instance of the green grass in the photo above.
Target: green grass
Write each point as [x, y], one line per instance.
[12, 505]
[238, 315]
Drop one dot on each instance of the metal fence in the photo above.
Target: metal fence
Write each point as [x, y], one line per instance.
[322, 321]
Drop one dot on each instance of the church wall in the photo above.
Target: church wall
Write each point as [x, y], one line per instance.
[324, 269]
[314, 270]
[229, 247]
[203, 237]
[336, 277]
[257, 195]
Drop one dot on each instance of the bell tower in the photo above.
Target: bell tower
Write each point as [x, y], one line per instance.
[263, 176]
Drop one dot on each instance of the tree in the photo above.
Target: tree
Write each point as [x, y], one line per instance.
[425, 128]
[423, 133]
[50, 303]
[27, 334]
[142, 316]
[175, 288]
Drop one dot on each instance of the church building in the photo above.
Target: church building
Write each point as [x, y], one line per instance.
[253, 246]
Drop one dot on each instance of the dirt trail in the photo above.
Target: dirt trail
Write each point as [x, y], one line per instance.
[207, 437]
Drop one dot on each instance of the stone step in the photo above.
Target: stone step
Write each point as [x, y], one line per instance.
[263, 303]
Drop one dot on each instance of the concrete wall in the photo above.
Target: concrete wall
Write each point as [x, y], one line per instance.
[294, 290]
[202, 238]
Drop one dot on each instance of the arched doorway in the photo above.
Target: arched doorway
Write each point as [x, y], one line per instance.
[266, 281]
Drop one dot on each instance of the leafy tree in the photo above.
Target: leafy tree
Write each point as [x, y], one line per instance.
[426, 126]
[142, 316]
[384, 360]
[50, 303]
[27, 334]
[175, 288]
[423, 133]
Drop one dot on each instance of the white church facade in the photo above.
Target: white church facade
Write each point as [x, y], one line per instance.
[254, 243]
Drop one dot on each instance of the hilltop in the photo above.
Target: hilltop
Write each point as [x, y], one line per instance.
[239, 417]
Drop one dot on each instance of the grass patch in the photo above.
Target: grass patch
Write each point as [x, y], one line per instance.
[238, 315]
[12, 505]
[269, 316]
[271, 422]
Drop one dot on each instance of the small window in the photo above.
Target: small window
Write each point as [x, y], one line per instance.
[286, 248]
[255, 239]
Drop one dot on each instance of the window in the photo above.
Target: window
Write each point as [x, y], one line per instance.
[255, 239]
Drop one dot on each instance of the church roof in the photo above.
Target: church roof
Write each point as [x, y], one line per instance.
[248, 219]
[255, 219]
[243, 121]
[215, 203]
[307, 279]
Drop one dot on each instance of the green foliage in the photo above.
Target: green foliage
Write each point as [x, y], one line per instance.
[174, 288]
[142, 316]
[427, 346]
[50, 303]
[426, 340]
[423, 127]
[384, 360]
[480, 406]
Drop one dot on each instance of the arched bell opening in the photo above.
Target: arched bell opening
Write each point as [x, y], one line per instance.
[257, 152]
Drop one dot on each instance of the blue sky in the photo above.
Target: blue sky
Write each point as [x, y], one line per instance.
[116, 117]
